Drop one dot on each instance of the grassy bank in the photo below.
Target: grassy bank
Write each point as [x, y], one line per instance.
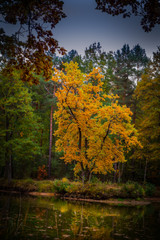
[70, 189]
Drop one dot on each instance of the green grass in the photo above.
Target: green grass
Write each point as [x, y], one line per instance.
[24, 185]
[96, 190]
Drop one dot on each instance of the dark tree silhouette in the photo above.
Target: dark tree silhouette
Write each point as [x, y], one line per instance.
[148, 10]
[27, 47]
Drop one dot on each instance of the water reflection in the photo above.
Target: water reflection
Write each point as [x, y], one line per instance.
[42, 218]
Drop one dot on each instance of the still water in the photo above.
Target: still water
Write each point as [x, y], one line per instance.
[48, 218]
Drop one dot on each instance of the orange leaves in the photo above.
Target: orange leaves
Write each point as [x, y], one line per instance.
[42, 173]
[21, 134]
[92, 134]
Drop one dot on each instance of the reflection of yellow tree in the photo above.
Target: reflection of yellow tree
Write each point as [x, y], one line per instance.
[40, 213]
[74, 223]
[89, 209]
[64, 208]
[77, 221]
[98, 233]
[95, 210]
[87, 221]
[56, 223]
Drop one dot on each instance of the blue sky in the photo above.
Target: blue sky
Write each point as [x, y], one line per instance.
[84, 25]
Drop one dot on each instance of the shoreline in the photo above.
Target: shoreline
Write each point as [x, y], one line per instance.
[112, 201]
[131, 202]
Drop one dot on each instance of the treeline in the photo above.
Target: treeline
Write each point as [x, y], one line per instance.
[27, 125]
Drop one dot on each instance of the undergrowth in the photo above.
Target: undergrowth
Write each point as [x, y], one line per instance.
[94, 190]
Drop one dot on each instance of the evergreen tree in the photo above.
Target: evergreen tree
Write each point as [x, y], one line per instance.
[123, 84]
[130, 64]
[71, 56]
[148, 117]
[94, 57]
[19, 128]
[140, 61]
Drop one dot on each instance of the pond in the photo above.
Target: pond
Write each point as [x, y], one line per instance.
[23, 217]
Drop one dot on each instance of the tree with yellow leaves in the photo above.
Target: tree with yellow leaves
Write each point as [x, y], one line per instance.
[93, 130]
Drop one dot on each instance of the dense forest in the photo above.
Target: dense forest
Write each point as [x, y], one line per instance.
[111, 101]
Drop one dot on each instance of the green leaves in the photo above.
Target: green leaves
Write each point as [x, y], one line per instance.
[148, 116]
[19, 126]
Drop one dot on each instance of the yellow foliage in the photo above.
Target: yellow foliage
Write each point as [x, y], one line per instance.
[90, 133]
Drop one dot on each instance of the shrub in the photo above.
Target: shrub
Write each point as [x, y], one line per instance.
[132, 190]
[24, 185]
[42, 173]
[61, 186]
[150, 189]
[45, 186]
[91, 190]
[94, 179]
[65, 180]
[29, 185]
[74, 187]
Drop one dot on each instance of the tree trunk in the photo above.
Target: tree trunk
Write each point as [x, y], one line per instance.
[115, 173]
[41, 139]
[122, 171]
[50, 142]
[51, 136]
[10, 168]
[134, 111]
[90, 175]
[83, 176]
[119, 172]
[80, 146]
[8, 156]
[145, 171]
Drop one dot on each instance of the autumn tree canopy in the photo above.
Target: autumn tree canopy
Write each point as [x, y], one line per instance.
[93, 130]
[27, 40]
[26, 35]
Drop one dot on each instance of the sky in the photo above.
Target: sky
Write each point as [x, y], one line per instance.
[85, 25]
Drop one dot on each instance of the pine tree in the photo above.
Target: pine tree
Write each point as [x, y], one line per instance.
[148, 116]
[19, 128]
